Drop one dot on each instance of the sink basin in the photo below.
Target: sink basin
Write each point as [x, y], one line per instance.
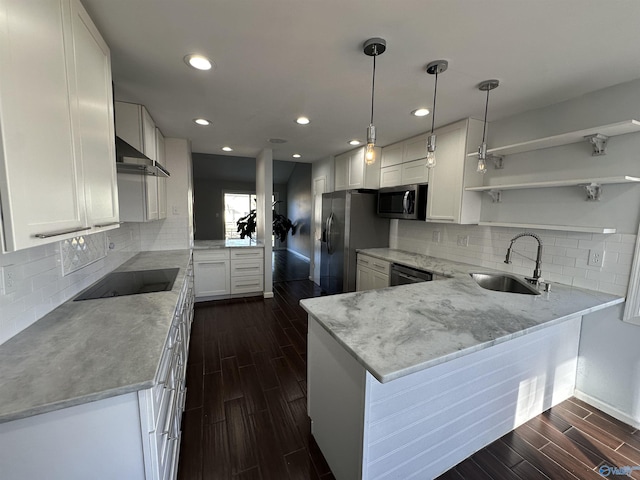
[117, 284]
[503, 282]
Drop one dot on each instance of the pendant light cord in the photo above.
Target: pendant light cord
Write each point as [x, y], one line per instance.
[373, 81]
[435, 91]
[486, 107]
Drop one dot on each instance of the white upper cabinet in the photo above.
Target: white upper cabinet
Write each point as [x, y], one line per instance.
[42, 186]
[351, 172]
[92, 72]
[135, 126]
[447, 200]
[401, 162]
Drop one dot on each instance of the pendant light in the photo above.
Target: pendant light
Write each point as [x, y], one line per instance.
[434, 68]
[485, 86]
[372, 47]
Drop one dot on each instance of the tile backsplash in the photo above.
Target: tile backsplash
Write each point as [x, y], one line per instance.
[564, 260]
[41, 284]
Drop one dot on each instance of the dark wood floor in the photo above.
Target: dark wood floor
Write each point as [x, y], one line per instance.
[570, 441]
[287, 266]
[246, 415]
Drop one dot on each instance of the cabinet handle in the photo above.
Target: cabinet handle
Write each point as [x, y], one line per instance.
[100, 225]
[246, 268]
[63, 232]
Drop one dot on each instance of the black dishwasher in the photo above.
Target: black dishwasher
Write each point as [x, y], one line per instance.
[403, 275]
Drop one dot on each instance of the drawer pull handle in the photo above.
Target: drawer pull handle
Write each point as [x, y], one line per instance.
[101, 225]
[62, 232]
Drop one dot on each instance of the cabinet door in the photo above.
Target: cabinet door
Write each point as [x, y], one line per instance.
[356, 168]
[151, 191]
[148, 134]
[444, 197]
[380, 280]
[162, 181]
[415, 148]
[342, 171]
[129, 124]
[415, 172]
[392, 155]
[391, 176]
[40, 183]
[212, 278]
[364, 279]
[90, 67]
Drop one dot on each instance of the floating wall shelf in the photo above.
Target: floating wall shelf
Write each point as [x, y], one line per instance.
[591, 185]
[611, 130]
[564, 228]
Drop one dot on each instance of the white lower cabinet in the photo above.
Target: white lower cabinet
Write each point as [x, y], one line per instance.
[133, 436]
[371, 273]
[228, 271]
[211, 269]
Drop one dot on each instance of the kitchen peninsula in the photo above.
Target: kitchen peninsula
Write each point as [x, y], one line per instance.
[405, 382]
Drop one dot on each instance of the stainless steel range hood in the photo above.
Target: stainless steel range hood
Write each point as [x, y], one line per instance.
[130, 160]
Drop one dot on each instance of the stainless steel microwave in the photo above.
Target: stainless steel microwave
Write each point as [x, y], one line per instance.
[408, 202]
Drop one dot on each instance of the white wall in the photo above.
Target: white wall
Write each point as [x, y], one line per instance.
[176, 231]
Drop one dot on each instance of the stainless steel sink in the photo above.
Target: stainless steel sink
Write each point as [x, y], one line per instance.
[117, 284]
[504, 282]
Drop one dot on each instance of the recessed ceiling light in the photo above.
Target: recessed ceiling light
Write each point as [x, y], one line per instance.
[354, 142]
[202, 121]
[227, 149]
[421, 112]
[296, 155]
[198, 61]
[302, 121]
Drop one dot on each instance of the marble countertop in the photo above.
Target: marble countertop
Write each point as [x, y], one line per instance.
[90, 350]
[400, 330]
[230, 243]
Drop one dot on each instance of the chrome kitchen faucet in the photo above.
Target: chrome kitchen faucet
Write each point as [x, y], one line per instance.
[537, 272]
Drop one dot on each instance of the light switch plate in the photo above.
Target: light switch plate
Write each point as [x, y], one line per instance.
[9, 279]
[435, 237]
[595, 258]
[463, 240]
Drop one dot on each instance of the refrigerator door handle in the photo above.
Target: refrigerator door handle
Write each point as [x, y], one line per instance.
[329, 232]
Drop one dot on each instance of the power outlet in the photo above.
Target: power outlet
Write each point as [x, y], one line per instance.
[9, 279]
[463, 240]
[435, 236]
[596, 258]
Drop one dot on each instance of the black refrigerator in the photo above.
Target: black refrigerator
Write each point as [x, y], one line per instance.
[349, 223]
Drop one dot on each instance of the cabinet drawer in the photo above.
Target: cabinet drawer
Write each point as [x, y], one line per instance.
[244, 253]
[204, 255]
[242, 268]
[376, 264]
[247, 284]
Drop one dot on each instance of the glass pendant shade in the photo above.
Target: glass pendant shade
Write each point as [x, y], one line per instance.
[482, 158]
[370, 154]
[431, 151]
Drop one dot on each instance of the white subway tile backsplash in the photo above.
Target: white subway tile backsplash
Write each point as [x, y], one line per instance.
[564, 260]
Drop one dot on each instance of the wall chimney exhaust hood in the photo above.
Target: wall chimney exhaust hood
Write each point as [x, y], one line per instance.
[130, 160]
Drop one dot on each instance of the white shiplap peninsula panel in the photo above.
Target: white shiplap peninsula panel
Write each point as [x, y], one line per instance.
[422, 424]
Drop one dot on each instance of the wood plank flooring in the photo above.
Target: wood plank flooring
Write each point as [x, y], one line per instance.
[570, 441]
[287, 266]
[246, 411]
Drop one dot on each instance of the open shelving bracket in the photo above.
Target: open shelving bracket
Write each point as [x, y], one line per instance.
[594, 190]
[496, 195]
[599, 142]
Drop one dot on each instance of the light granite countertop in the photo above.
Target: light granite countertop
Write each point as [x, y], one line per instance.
[400, 330]
[92, 349]
[230, 243]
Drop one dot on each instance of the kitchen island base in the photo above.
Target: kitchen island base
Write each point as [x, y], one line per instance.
[422, 424]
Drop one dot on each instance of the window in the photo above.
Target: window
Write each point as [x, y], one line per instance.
[236, 206]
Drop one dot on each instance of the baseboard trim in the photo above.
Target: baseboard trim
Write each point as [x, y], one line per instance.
[306, 259]
[606, 408]
[268, 295]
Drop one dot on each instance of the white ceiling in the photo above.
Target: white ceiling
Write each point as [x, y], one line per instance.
[279, 59]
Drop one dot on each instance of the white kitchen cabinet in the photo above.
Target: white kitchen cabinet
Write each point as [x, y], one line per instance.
[91, 70]
[391, 176]
[162, 181]
[42, 185]
[415, 172]
[138, 197]
[135, 126]
[447, 199]
[371, 273]
[402, 162]
[391, 155]
[247, 270]
[351, 171]
[212, 274]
